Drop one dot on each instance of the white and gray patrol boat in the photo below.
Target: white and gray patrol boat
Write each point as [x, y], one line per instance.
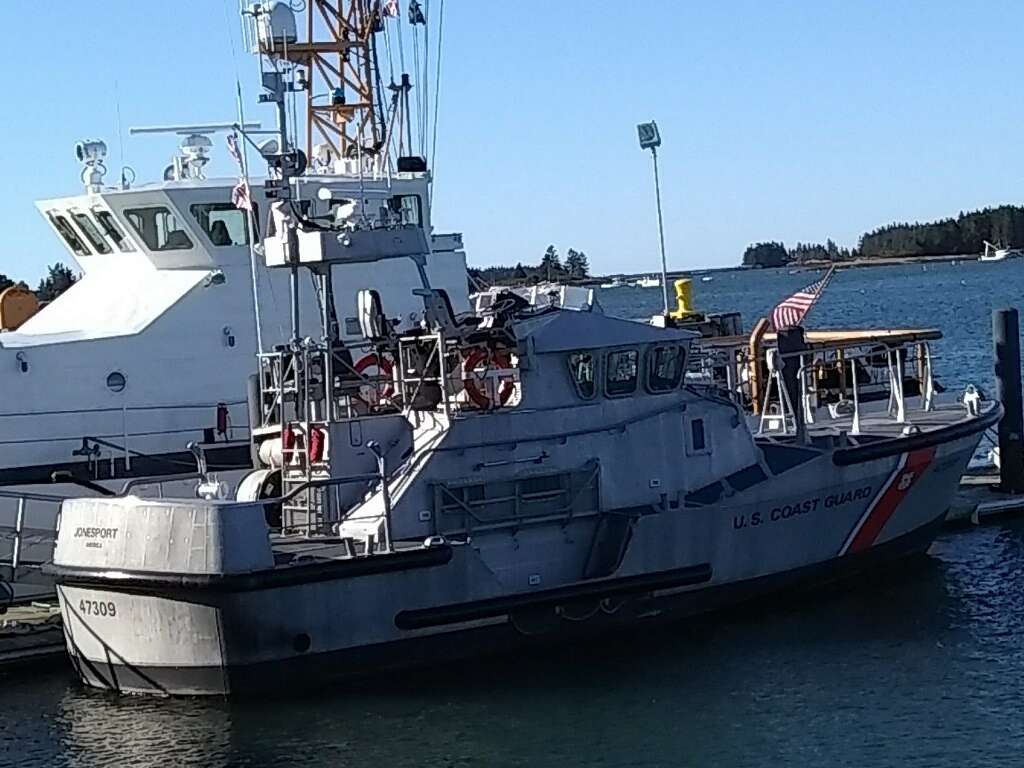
[533, 474]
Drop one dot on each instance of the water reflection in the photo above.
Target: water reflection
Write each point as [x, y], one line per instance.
[897, 664]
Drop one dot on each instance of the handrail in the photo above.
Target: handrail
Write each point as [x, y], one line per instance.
[811, 359]
[137, 481]
[119, 409]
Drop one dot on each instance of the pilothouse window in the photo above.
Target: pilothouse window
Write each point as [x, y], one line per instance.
[665, 367]
[68, 233]
[223, 223]
[408, 209]
[111, 228]
[91, 233]
[158, 228]
[622, 372]
[581, 366]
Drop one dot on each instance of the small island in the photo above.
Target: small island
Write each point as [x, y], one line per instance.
[954, 237]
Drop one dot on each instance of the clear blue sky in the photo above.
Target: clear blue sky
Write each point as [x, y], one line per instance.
[792, 121]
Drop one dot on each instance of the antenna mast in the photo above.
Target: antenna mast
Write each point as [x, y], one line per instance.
[338, 55]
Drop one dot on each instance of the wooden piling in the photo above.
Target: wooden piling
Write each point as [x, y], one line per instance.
[1006, 351]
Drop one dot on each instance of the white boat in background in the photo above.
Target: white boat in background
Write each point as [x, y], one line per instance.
[647, 282]
[615, 282]
[149, 351]
[540, 296]
[997, 253]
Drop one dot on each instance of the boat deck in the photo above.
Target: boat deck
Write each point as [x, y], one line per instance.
[877, 424]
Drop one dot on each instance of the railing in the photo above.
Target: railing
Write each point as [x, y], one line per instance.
[24, 499]
[92, 445]
[848, 367]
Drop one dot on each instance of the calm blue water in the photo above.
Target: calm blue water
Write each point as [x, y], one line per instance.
[924, 668]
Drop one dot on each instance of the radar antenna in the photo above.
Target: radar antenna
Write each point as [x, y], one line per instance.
[339, 58]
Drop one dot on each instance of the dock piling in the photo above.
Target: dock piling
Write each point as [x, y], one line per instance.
[1006, 353]
[791, 343]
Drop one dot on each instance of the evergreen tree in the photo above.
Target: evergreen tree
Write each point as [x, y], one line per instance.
[58, 280]
[572, 263]
[766, 255]
[550, 263]
[576, 264]
[584, 264]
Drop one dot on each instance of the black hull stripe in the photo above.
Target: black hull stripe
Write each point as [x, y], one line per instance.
[501, 606]
[172, 585]
[843, 457]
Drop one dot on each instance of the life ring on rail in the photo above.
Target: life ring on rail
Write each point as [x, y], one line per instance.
[491, 359]
[382, 378]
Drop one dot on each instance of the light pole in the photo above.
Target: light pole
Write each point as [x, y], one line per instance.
[651, 139]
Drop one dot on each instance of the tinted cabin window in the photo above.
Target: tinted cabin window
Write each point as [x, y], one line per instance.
[697, 440]
[581, 366]
[92, 234]
[665, 367]
[158, 228]
[622, 372]
[223, 223]
[408, 209]
[68, 233]
[112, 230]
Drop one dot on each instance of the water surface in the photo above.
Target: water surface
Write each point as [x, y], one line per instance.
[919, 667]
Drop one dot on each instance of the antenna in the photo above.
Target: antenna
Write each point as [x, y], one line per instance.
[338, 57]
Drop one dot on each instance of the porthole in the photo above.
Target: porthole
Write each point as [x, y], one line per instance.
[116, 382]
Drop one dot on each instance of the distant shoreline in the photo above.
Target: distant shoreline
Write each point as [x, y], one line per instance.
[806, 266]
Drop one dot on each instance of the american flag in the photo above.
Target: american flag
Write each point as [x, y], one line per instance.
[793, 310]
[240, 196]
[391, 8]
[233, 148]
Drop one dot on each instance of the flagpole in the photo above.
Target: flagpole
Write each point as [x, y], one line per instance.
[661, 231]
[824, 284]
[650, 139]
[253, 224]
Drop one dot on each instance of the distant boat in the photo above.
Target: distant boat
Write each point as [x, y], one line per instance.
[707, 279]
[616, 282]
[647, 282]
[995, 253]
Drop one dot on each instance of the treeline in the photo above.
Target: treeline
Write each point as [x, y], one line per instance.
[550, 269]
[59, 278]
[965, 234]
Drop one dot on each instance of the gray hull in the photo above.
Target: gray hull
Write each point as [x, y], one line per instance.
[525, 629]
[746, 537]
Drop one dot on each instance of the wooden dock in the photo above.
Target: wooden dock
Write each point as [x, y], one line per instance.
[31, 634]
[981, 500]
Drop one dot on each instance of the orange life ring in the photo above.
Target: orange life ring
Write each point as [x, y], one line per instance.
[496, 359]
[385, 389]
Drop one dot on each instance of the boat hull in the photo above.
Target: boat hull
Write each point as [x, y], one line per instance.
[165, 634]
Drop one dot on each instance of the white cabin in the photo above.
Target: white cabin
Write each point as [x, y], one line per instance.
[161, 327]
